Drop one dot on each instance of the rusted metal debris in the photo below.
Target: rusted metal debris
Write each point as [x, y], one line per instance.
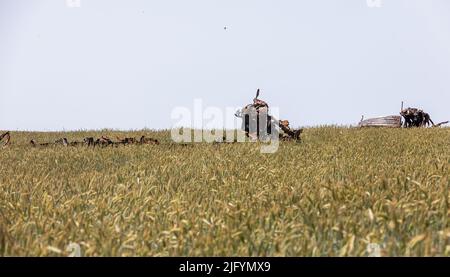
[145, 140]
[103, 141]
[7, 139]
[127, 140]
[392, 121]
[414, 117]
[257, 123]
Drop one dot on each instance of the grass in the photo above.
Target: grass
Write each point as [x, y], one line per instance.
[331, 195]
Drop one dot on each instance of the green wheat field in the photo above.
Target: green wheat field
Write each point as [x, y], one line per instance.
[333, 194]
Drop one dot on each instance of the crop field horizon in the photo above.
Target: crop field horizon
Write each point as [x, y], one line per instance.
[336, 193]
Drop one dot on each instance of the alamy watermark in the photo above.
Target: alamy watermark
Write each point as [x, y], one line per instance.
[373, 250]
[73, 3]
[200, 124]
[374, 3]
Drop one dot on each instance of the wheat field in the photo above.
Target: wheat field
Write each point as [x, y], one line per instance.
[334, 194]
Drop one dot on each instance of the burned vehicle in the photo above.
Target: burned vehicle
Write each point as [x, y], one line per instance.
[258, 124]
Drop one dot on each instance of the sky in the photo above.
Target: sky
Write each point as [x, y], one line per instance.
[128, 64]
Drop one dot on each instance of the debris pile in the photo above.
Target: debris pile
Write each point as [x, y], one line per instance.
[392, 121]
[414, 117]
[103, 141]
[257, 123]
[7, 139]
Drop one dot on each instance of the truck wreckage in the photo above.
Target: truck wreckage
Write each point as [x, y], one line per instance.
[412, 117]
[418, 118]
[258, 124]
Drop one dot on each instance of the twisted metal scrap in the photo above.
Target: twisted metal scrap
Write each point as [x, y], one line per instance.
[260, 109]
[418, 118]
[7, 138]
[103, 141]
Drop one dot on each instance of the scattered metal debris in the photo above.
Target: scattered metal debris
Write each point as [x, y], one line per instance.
[103, 141]
[89, 141]
[145, 140]
[392, 121]
[7, 138]
[35, 144]
[418, 118]
[412, 117]
[125, 141]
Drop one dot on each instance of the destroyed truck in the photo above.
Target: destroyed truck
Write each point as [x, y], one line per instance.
[412, 117]
[258, 124]
[418, 118]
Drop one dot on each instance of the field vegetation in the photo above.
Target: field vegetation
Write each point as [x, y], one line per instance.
[333, 194]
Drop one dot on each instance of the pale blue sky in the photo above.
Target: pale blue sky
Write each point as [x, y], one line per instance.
[127, 64]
